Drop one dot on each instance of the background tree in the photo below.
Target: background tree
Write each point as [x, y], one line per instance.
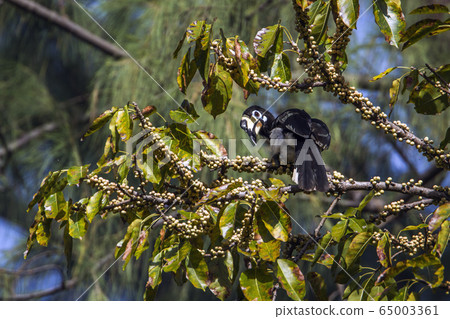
[355, 150]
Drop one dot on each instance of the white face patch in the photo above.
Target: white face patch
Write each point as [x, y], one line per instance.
[249, 122]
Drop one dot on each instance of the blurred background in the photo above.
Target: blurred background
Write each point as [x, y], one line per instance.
[53, 84]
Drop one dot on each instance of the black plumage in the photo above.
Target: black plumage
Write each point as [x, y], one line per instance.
[295, 138]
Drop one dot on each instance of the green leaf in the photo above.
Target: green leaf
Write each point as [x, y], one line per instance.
[47, 188]
[425, 267]
[265, 39]
[291, 278]
[185, 113]
[226, 222]
[382, 74]
[427, 98]
[100, 121]
[186, 72]
[339, 230]
[43, 232]
[442, 240]
[124, 124]
[319, 13]
[123, 170]
[366, 200]
[76, 173]
[410, 80]
[303, 3]
[54, 204]
[201, 58]
[428, 268]
[318, 285]
[413, 227]
[142, 243]
[326, 260]
[277, 182]
[358, 225]
[218, 192]
[149, 293]
[195, 30]
[393, 92]
[276, 219]
[197, 269]
[389, 18]
[281, 67]
[93, 206]
[418, 31]
[348, 10]
[357, 247]
[270, 195]
[430, 9]
[217, 93]
[211, 142]
[180, 44]
[151, 170]
[115, 136]
[127, 246]
[439, 216]
[268, 248]
[155, 270]
[175, 255]
[322, 246]
[238, 50]
[220, 274]
[256, 284]
[384, 250]
[77, 224]
[446, 140]
[444, 27]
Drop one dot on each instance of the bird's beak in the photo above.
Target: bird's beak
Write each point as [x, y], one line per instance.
[249, 130]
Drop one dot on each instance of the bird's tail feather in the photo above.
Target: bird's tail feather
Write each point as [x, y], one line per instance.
[310, 176]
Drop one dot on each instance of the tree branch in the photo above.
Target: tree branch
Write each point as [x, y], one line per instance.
[65, 285]
[28, 137]
[69, 26]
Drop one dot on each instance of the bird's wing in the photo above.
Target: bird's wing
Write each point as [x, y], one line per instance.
[321, 134]
[295, 120]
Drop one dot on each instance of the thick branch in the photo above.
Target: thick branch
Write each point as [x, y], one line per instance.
[69, 26]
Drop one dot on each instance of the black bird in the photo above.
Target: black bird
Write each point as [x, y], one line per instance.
[295, 138]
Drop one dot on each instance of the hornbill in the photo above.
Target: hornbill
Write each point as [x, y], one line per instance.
[295, 138]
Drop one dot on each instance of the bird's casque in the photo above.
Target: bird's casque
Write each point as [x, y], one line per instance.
[295, 138]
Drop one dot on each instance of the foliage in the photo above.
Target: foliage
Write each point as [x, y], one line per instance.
[205, 233]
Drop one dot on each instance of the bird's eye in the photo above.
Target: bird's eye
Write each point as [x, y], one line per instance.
[256, 114]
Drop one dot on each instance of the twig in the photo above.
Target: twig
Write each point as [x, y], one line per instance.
[31, 271]
[431, 81]
[69, 26]
[28, 137]
[328, 212]
[441, 79]
[315, 236]
[275, 288]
